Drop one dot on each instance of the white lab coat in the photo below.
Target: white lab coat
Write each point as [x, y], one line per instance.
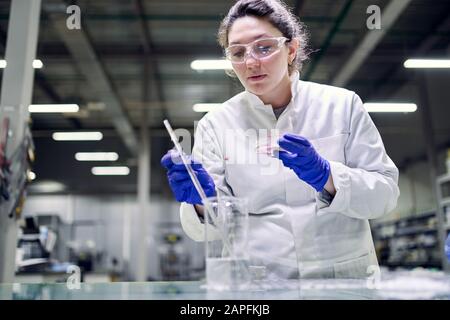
[293, 231]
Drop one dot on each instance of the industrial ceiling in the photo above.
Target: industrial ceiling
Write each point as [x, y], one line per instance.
[131, 55]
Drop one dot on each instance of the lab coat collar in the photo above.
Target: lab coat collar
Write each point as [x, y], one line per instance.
[256, 102]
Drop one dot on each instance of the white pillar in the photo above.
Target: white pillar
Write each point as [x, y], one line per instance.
[16, 93]
[143, 183]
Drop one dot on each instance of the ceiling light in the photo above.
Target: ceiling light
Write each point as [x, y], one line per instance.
[31, 175]
[390, 107]
[37, 64]
[205, 107]
[211, 65]
[77, 136]
[110, 171]
[47, 186]
[53, 108]
[96, 106]
[427, 63]
[96, 156]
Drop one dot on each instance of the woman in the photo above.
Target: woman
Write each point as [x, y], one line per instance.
[310, 202]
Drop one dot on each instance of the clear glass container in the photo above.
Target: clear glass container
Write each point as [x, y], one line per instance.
[226, 248]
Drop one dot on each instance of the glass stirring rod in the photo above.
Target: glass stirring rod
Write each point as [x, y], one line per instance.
[186, 163]
[194, 179]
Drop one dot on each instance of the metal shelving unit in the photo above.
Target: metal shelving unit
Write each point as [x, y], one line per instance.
[443, 197]
[412, 241]
[408, 242]
[417, 240]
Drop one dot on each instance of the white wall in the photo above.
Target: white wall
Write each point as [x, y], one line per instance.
[416, 196]
[415, 191]
[110, 221]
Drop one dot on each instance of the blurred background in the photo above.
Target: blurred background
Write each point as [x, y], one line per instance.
[124, 66]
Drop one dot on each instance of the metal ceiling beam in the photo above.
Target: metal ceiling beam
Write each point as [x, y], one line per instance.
[328, 40]
[80, 47]
[173, 17]
[136, 50]
[162, 51]
[389, 15]
[384, 87]
[149, 49]
[39, 77]
[299, 5]
[43, 84]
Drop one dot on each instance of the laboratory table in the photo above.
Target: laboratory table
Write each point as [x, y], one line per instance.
[397, 286]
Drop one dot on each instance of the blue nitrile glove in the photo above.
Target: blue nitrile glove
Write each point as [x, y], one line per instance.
[180, 182]
[303, 159]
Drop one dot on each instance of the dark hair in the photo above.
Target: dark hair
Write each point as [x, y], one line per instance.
[275, 12]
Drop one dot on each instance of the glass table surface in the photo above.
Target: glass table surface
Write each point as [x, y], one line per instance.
[399, 285]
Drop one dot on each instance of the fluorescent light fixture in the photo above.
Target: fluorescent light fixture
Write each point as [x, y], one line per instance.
[53, 108]
[96, 156]
[77, 136]
[37, 64]
[31, 175]
[211, 65]
[390, 107]
[47, 186]
[205, 107]
[427, 63]
[110, 171]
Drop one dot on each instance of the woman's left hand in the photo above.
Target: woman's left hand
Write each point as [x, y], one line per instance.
[303, 159]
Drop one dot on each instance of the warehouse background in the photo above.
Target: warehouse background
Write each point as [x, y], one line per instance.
[129, 66]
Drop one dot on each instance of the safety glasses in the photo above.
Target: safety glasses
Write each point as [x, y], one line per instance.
[259, 49]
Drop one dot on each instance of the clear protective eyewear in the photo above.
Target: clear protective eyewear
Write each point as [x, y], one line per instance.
[259, 49]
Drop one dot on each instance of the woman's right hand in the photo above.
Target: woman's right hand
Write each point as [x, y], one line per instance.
[180, 182]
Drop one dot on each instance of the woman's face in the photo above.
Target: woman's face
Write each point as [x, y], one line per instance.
[266, 77]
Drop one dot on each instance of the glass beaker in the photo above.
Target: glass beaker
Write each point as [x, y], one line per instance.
[226, 251]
